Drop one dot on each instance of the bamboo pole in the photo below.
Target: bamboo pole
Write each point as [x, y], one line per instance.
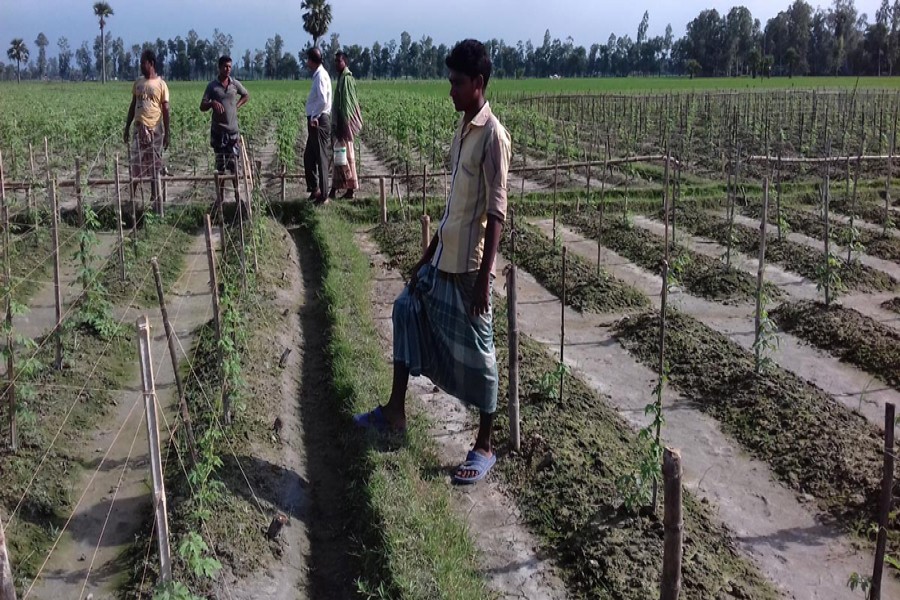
[826, 194]
[7, 584]
[854, 197]
[673, 525]
[173, 355]
[760, 275]
[513, 339]
[57, 287]
[78, 197]
[10, 348]
[884, 508]
[383, 198]
[562, 328]
[119, 231]
[217, 323]
[156, 467]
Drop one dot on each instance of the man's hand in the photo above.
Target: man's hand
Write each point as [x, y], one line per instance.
[314, 123]
[217, 106]
[125, 137]
[414, 276]
[481, 302]
[166, 141]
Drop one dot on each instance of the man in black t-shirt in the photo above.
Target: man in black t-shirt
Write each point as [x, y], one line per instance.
[224, 95]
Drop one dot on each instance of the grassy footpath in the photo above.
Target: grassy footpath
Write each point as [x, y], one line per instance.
[421, 550]
[565, 481]
[405, 541]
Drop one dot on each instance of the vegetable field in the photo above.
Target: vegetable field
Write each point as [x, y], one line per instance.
[701, 274]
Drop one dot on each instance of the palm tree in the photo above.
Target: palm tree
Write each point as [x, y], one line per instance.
[316, 19]
[103, 10]
[18, 52]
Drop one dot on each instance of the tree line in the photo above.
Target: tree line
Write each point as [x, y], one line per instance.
[799, 40]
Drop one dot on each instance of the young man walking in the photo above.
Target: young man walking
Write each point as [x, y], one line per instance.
[443, 326]
[149, 110]
[347, 125]
[316, 159]
[224, 96]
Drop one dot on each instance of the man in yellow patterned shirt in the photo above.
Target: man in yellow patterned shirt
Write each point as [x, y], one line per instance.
[443, 326]
[149, 111]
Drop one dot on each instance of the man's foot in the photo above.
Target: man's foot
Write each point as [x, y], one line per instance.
[348, 195]
[314, 195]
[478, 463]
[378, 420]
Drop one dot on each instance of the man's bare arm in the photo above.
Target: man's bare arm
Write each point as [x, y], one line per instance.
[130, 117]
[243, 100]
[482, 299]
[165, 116]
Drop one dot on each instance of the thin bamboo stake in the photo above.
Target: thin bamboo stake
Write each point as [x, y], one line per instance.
[673, 525]
[884, 508]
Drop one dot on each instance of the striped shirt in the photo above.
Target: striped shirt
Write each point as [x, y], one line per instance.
[479, 156]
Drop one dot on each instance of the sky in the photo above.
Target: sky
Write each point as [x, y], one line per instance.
[251, 22]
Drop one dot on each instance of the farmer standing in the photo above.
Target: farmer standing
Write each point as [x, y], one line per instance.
[318, 119]
[347, 125]
[149, 111]
[443, 326]
[224, 96]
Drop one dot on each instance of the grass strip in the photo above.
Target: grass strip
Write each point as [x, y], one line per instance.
[813, 444]
[844, 332]
[798, 258]
[564, 481]
[422, 550]
[701, 275]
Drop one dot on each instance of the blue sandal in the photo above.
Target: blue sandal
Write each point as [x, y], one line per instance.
[374, 420]
[475, 462]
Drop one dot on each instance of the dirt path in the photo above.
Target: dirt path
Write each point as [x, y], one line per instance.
[116, 457]
[858, 223]
[310, 483]
[885, 266]
[848, 385]
[41, 313]
[783, 535]
[513, 565]
[794, 285]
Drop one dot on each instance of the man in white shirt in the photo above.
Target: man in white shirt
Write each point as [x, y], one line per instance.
[316, 159]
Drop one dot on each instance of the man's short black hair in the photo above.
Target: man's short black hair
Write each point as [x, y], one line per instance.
[149, 56]
[223, 60]
[314, 55]
[342, 55]
[471, 58]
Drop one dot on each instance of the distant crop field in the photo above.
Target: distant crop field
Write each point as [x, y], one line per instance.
[657, 84]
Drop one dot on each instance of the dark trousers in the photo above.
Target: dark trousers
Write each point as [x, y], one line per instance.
[316, 159]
